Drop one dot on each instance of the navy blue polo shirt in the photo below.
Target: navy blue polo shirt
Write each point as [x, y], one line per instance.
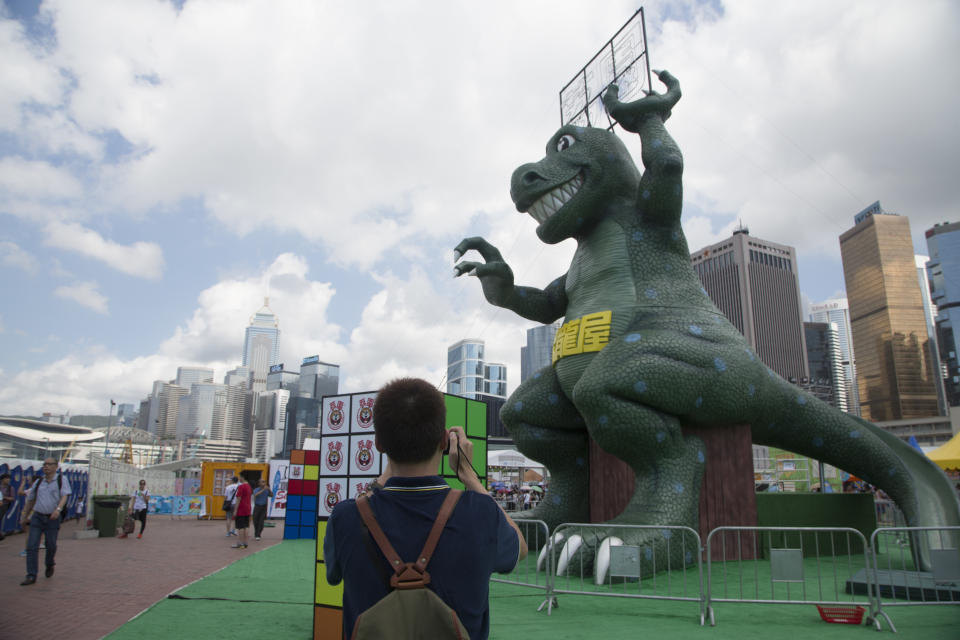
[476, 542]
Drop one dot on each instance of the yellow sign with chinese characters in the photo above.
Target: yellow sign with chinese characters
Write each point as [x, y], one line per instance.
[586, 334]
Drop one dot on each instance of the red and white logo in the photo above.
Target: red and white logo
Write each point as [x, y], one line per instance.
[363, 487]
[364, 454]
[332, 497]
[334, 458]
[335, 417]
[365, 413]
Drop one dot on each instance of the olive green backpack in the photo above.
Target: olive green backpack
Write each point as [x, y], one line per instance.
[410, 610]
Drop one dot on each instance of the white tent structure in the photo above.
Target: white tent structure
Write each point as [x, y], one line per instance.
[511, 459]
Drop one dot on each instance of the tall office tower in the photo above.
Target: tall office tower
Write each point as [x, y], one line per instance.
[126, 416]
[930, 315]
[470, 376]
[272, 409]
[538, 352]
[165, 407]
[826, 363]
[280, 379]
[837, 311]
[187, 376]
[261, 346]
[943, 268]
[201, 411]
[318, 379]
[894, 369]
[754, 283]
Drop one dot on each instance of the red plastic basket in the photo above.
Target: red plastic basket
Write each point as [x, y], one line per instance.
[841, 615]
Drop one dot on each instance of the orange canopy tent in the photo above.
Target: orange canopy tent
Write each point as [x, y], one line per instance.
[947, 456]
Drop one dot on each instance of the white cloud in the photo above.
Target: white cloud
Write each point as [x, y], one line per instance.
[14, 256]
[35, 180]
[84, 293]
[141, 259]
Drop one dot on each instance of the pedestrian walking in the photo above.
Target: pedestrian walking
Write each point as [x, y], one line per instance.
[228, 508]
[44, 504]
[7, 498]
[242, 510]
[261, 499]
[139, 503]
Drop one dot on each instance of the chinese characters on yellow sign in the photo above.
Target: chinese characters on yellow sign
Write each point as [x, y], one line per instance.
[585, 334]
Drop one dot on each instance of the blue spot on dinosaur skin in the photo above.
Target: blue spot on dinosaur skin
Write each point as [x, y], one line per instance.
[699, 402]
[719, 364]
[603, 420]
[537, 375]
[891, 471]
[751, 390]
[632, 337]
[640, 386]
[818, 441]
[854, 434]
[650, 293]
[676, 189]
[648, 554]
[700, 457]
[749, 354]
[553, 398]
[675, 235]
[556, 499]
[581, 462]
[695, 330]
[668, 267]
[801, 400]
[678, 487]
[645, 195]
[661, 436]
[518, 406]
[579, 222]
[637, 236]
[657, 143]
[771, 425]
[522, 293]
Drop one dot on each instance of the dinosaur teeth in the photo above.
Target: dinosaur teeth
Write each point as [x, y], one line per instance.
[549, 203]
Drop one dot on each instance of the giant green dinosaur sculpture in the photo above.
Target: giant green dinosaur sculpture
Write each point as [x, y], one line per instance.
[643, 349]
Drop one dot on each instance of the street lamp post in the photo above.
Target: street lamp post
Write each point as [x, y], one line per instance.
[106, 448]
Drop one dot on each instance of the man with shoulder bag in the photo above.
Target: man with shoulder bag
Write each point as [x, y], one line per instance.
[45, 501]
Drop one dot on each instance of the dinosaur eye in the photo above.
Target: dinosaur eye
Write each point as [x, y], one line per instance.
[565, 142]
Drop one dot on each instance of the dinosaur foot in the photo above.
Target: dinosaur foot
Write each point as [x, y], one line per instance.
[610, 553]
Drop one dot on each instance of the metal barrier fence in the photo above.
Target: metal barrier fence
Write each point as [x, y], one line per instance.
[889, 514]
[527, 573]
[898, 557]
[625, 561]
[791, 565]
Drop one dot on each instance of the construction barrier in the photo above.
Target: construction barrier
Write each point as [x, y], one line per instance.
[792, 565]
[625, 561]
[899, 578]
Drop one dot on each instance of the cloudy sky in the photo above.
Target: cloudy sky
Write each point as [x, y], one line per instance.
[165, 165]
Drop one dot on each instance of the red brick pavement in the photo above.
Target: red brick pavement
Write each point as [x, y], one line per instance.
[101, 583]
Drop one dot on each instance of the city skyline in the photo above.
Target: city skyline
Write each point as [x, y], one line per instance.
[166, 166]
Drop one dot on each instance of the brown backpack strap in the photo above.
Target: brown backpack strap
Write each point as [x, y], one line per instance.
[408, 575]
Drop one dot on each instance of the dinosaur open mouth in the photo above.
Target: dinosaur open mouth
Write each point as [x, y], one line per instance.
[551, 202]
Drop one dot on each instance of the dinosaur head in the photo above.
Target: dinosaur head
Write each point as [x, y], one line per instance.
[578, 183]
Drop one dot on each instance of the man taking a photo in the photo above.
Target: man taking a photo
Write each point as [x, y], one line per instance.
[479, 538]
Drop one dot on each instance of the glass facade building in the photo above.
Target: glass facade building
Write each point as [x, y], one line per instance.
[826, 368]
[470, 376]
[837, 311]
[895, 372]
[261, 346]
[943, 269]
[538, 352]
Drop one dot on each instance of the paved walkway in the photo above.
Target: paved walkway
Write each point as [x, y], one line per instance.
[101, 583]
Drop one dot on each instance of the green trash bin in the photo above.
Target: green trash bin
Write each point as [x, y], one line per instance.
[108, 514]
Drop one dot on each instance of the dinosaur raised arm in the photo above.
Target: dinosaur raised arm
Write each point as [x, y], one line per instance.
[496, 278]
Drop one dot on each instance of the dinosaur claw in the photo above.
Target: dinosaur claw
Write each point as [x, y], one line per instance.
[544, 556]
[602, 564]
[566, 554]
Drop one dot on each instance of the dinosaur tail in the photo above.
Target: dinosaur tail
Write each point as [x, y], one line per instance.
[795, 420]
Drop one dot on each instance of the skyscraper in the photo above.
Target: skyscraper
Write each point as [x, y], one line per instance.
[261, 346]
[187, 376]
[837, 311]
[538, 352]
[894, 368]
[943, 268]
[470, 376]
[754, 283]
[826, 365]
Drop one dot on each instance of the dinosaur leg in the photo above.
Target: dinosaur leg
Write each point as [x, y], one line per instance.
[546, 427]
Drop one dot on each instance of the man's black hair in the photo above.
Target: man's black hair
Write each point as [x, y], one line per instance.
[409, 417]
[4, 475]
